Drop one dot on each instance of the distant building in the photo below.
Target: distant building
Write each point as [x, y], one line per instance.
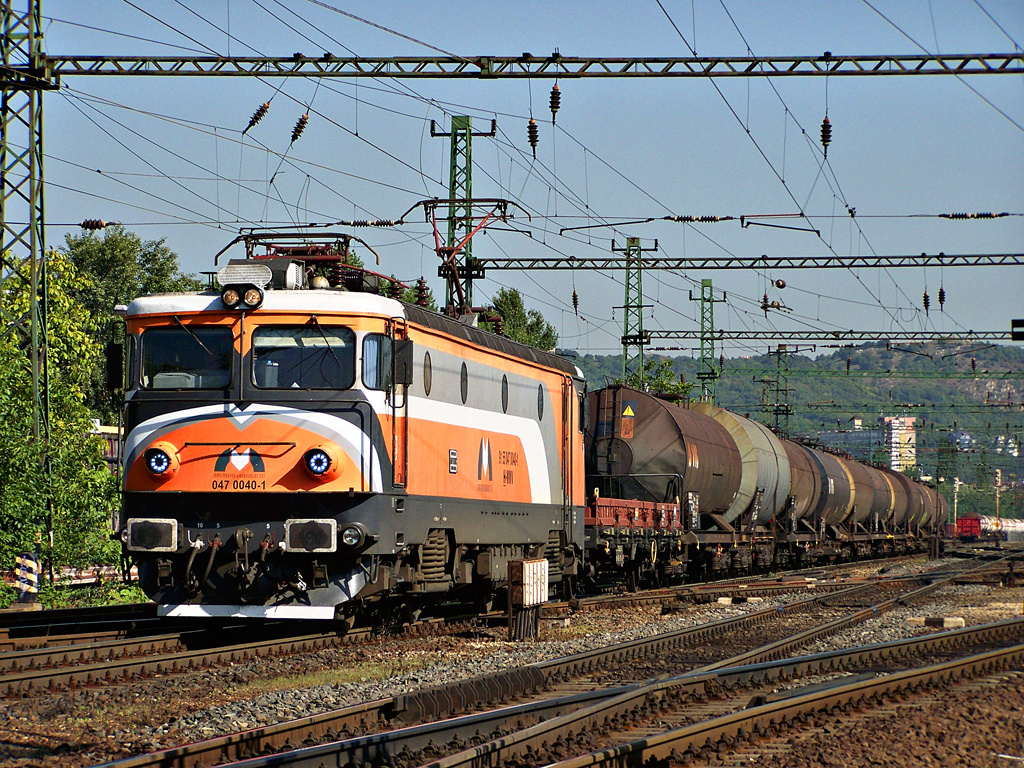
[900, 441]
[112, 439]
[964, 441]
[895, 437]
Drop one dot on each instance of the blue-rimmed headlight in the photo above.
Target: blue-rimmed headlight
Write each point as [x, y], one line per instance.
[157, 461]
[161, 460]
[318, 462]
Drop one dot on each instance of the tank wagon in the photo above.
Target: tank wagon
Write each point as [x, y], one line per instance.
[694, 492]
[301, 453]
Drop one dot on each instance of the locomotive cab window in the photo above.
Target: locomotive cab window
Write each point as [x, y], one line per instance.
[196, 357]
[377, 354]
[304, 357]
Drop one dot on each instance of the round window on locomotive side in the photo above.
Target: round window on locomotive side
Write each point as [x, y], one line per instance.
[540, 402]
[428, 374]
[465, 384]
[504, 394]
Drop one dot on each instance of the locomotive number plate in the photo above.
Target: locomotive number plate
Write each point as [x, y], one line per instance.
[239, 484]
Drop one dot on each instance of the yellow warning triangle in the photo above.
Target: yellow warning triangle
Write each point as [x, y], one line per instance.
[628, 411]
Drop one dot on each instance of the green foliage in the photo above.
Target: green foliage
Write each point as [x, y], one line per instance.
[113, 592]
[526, 327]
[119, 267]
[113, 269]
[82, 489]
[659, 376]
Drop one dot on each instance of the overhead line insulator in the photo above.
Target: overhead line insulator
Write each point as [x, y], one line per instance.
[700, 219]
[258, 115]
[533, 133]
[826, 134]
[300, 127]
[93, 224]
[556, 101]
[973, 215]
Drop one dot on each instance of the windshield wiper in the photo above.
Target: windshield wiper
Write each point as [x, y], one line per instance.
[316, 322]
[192, 333]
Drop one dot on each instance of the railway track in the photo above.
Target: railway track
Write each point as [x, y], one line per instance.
[130, 642]
[548, 729]
[561, 678]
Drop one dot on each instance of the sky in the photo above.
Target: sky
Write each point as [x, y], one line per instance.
[166, 156]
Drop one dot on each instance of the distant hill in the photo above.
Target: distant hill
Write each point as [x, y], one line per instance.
[983, 404]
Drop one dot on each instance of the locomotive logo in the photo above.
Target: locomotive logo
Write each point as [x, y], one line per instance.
[485, 470]
[240, 460]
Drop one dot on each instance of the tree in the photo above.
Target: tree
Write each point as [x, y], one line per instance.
[660, 377]
[526, 327]
[81, 489]
[115, 269]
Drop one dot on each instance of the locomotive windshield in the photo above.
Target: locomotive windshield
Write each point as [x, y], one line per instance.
[304, 357]
[187, 357]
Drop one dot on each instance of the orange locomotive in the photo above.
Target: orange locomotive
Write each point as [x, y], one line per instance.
[299, 452]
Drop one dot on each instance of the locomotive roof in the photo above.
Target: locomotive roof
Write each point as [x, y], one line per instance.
[312, 301]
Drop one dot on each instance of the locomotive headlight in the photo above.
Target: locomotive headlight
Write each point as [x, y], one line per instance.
[157, 461]
[318, 462]
[321, 463]
[352, 536]
[253, 296]
[161, 459]
[231, 297]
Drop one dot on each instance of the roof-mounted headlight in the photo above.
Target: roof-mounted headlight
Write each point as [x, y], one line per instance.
[231, 297]
[253, 297]
[243, 284]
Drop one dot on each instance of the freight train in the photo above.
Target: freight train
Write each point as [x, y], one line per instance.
[697, 492]
[297, 447]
